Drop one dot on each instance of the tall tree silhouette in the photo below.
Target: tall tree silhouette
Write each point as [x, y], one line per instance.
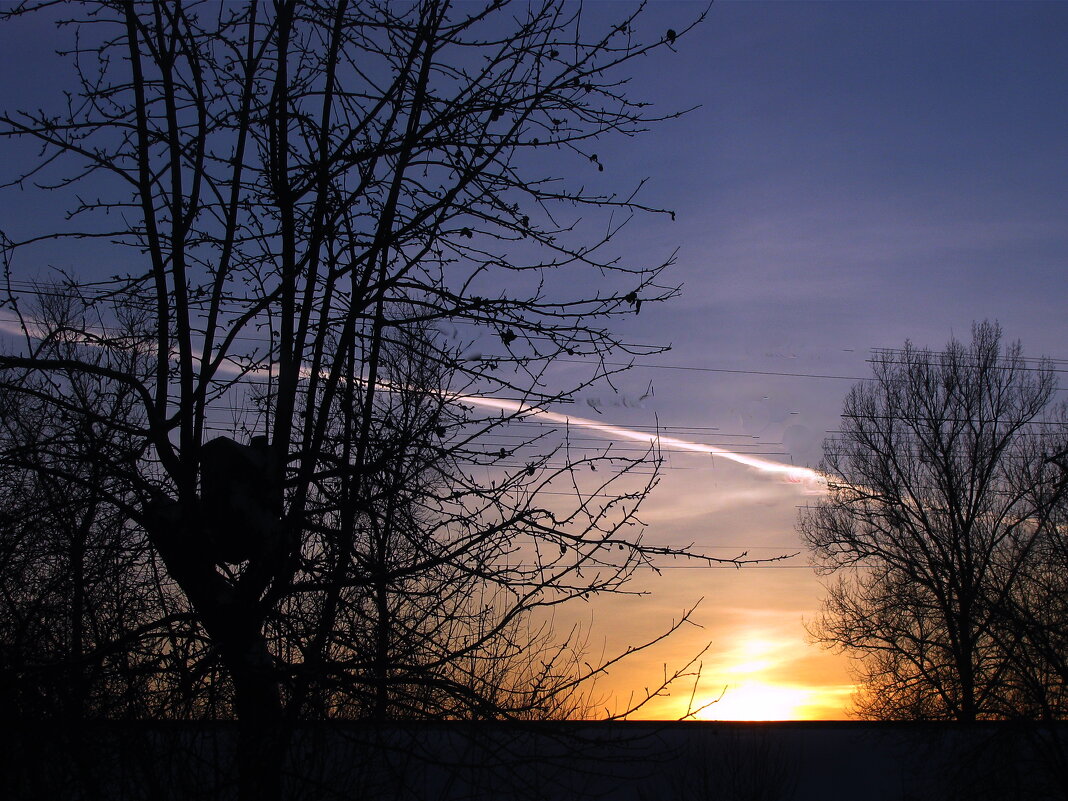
[282, 191]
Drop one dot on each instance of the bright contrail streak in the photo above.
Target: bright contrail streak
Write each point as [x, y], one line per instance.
[789, 473]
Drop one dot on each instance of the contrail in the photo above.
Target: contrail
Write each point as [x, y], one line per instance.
[789, 473]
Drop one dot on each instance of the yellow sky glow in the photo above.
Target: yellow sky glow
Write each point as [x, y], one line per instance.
[761, 683]
[757, 700]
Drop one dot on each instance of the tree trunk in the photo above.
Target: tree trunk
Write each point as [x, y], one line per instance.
[235, 625]
[261, 745]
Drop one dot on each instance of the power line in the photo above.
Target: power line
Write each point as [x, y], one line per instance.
[696, 369]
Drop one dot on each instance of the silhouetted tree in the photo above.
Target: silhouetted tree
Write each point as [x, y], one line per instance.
[86, 625]
[1032, 621]
[941, 511]
[281, 191]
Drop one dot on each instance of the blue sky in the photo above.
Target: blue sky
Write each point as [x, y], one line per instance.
[888, 169]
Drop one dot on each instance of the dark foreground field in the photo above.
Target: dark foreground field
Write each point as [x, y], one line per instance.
[617, 761]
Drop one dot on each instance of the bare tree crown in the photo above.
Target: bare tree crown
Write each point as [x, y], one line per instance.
[944, 490]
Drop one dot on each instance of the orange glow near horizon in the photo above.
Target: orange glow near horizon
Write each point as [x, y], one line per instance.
[759, 684]
[751, 693]
[757, 700]
[770, 700]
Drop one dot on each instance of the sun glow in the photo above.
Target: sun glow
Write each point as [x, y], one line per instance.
[761, 680]
[759, 701]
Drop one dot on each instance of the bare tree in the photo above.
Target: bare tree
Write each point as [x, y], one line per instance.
[285, 190]
[436, 602]
[941, 501]
[1032, 621]
[78, 582]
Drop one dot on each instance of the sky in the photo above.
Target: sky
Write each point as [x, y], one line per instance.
[857, 174]
[854, 174]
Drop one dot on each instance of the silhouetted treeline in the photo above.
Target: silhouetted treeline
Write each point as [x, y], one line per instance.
[945, 532]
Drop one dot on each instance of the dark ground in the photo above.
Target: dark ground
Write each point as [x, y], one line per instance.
[619, 761]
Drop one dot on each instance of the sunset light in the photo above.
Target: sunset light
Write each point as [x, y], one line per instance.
[492, 399]
[759, 701]
[753, 685]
